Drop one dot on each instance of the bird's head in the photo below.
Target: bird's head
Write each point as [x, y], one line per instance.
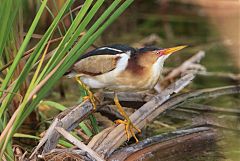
[168, 51]
[149, 55]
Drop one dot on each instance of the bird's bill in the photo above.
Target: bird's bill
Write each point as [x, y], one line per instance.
[172, 50]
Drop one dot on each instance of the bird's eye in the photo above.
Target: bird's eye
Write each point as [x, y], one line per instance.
[159, 52]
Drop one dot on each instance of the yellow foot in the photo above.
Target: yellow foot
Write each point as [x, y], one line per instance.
[90, 94]
[129, 128]
[92, 100]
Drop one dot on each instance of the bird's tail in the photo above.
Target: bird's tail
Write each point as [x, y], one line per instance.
[70, 74]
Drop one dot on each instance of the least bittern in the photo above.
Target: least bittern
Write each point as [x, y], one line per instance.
[121, 68]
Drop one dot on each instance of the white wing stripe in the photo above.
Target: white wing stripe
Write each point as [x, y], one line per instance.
[108, 48]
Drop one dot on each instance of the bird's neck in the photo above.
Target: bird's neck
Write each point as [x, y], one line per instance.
[159, 63]
[146, 59]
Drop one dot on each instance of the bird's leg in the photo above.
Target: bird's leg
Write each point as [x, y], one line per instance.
[89, 93]
[127, 122]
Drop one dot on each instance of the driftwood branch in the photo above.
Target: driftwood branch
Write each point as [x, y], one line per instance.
[130, 96]
[108, 140]
[45, 138]
[68, 120]
[169, 145]
[211, 92]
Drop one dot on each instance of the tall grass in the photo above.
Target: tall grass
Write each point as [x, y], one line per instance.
[44, 77]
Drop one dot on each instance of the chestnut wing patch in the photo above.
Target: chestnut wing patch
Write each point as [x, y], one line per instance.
[96, 65]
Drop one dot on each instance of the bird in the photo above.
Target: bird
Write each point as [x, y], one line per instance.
[120, 68]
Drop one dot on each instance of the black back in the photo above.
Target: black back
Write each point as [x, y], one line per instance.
[148, 48]
[117, 49]
[109, 50]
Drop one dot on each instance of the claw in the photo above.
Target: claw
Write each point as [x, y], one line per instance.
[129, 128]
[85, 98]
[92, 100]
[90, 94]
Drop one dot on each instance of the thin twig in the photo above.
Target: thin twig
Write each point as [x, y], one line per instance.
[190, 64]
[27, 53]
[46, 135]
[78, 143]
[235, 77]
[73, 10]
[213, 109]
